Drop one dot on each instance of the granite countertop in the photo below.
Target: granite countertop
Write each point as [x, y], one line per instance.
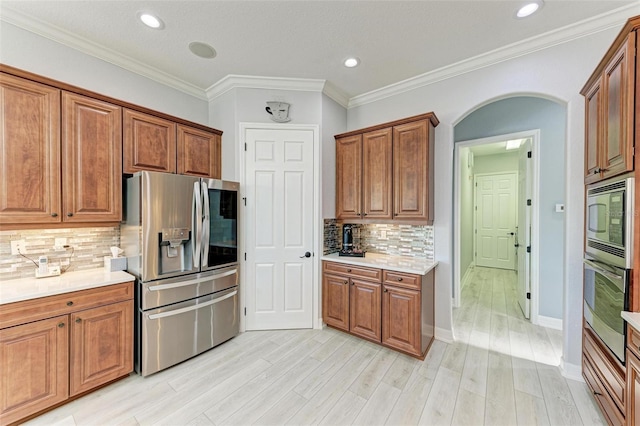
[33, 288]
[633, 318]
[411, 265]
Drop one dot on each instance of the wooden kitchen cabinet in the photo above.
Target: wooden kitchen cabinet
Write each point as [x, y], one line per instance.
[385, 172]
[57, 347]
[34, 367]
[395, 309]
[92, 160]
[30, 171]
[198, 152]
[149, 143]
[609, 112]
[633, 377]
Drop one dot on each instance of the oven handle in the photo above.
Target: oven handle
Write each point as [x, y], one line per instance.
[604, 272]
[191, 308]
[191, 282]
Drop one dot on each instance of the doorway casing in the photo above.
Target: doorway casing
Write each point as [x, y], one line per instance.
[534, 135]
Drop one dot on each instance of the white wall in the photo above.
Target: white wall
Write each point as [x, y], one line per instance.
[557, 72]
[466, 211]
[30, 52]
[334, 121]
[505, 162]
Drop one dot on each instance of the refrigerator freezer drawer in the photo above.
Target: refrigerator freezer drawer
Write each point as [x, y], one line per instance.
[173, 290]
[178, 332]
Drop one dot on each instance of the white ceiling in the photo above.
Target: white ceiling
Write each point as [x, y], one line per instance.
[395, 40]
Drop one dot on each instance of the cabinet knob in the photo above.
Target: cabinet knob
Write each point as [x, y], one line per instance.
[69, 214]
[346, 282]
[348, 270]
[61, 325]
[400, 279]
[78, 320]
[385, 290]
[69, 303]
[364, 214]
[597, 393]
[54, 214]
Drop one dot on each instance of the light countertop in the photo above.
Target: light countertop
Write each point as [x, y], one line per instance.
[633, 318]
[32, 288]
[411, 265]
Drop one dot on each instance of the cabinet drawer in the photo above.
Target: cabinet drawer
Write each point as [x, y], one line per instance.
[633, 341]
[601, 395]
[45, 307]
[353, 271]
[402, 279]
[604, 369]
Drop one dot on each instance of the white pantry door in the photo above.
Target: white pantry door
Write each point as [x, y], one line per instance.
[279, 218]
[496, 220]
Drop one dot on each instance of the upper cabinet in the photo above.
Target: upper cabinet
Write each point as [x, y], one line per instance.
[385, 172]
[161, 145]
[609, 112]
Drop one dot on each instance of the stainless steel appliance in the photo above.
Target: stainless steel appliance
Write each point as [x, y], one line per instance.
[180, 239]
[605, 295]
[609, 221]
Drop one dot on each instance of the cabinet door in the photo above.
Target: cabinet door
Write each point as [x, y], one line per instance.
[619, 84]
[633, 390]
[401, 319]
[335, 301]
[593, 132]
[29, 151]
[349, 177]
[149, 143]
[34, 367]
[101, 345]
[199, 153]
[91, 160]
[365, 309]
[377, 169]
[412, 155]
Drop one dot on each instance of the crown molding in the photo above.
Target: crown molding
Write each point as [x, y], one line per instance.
[615, 18]
[104, 53]
[233, 81]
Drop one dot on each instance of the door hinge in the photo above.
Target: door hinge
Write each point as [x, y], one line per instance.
[245, 201]
[528, 249]
[528, 297]
[245, 312]
[528, 202]
[245, 146]
[245, 256]
[528, 154]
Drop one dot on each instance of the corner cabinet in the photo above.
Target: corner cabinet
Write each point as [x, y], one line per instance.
[385, 172]
[57, 347]
[609, 111]
[393, 309]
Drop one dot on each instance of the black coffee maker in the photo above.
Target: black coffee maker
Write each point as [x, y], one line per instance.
[348, 248]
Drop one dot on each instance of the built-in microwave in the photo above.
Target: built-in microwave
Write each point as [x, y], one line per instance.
[609, 221]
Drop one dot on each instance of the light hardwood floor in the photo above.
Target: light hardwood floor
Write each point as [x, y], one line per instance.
[501, 370]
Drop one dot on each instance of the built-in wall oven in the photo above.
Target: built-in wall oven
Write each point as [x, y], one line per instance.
[608, 259]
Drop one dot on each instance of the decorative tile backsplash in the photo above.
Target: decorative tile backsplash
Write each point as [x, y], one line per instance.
[87, 251]
[397, 240]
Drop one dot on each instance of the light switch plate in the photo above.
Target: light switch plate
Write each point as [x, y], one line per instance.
[559, 208]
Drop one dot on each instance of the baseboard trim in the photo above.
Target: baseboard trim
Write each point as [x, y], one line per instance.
[466, 276]
[549, 322]
[444, 335]
[571, 371]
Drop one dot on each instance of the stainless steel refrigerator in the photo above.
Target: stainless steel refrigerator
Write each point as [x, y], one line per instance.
[180, 238]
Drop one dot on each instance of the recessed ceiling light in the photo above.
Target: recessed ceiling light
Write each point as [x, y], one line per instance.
[150, 20]
[351, 62]
[528, 9]
[202, 49]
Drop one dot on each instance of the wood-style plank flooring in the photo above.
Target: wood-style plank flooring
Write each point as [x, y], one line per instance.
[501, 370]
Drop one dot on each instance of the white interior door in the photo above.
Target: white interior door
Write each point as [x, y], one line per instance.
[496, 220]
[525, 185]
[279, 228]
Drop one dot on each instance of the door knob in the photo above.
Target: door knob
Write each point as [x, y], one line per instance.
[307, 254]
[511, 233]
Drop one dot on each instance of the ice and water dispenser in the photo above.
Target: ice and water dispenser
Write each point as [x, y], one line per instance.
[175, 250]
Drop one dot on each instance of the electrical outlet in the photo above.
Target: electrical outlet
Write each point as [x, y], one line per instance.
[60, 242]
[17, 247]
[383, 234]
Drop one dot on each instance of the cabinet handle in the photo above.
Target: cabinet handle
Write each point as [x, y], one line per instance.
[69, 303]
[346, 282]
[78, 320]
[61, 325]
[69, 214]
[400, 279]
[597, 393]
[54, 214]
[385, 290]
[348, 270]
[364, 214]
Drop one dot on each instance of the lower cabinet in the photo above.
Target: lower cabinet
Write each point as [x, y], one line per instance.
[633, 389]
[394, 309]
[44, 362]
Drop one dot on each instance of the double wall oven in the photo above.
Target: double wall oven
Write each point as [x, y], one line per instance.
[180, 238]
[608, 260]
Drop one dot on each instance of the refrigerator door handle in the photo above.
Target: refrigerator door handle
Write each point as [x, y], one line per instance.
[197, 224]
[206, 231]
[191, 308]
